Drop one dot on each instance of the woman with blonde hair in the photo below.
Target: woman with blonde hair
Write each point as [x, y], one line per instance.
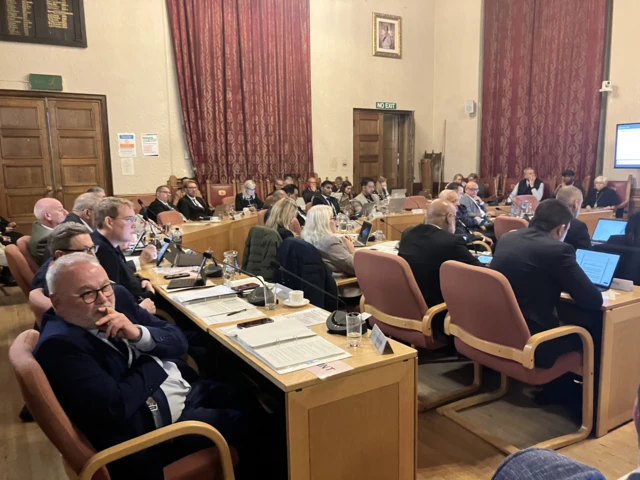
[282, 214]
[601, 196]
[247, 198]
[381, 188]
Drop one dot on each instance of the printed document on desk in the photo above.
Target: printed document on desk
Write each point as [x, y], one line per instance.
[313, 316]
[202, 294]
[224, 310]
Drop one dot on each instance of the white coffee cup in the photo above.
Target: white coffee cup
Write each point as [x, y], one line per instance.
[296, 297]
[246, 210]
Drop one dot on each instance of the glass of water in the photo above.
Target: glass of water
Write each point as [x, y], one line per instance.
[270, 296]
[354, 329]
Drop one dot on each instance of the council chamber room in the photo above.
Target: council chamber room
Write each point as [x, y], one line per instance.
[319, 239]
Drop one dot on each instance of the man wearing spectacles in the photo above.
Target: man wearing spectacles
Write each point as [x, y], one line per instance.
[162, 203]
[191, 206]
[476, 208]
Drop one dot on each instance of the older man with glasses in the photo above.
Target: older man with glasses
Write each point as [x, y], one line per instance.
[162, 203]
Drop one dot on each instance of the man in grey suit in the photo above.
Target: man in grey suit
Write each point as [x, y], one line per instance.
[474, 204]
[49, 213]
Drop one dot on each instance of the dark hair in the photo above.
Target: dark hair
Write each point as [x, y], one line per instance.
[568, 173]
[551, 214]
[632, 231]
[365, 181]
[453, 186]
[343, 188]
[471, 176]
[326, 182]
[290, 188]
[95, 190]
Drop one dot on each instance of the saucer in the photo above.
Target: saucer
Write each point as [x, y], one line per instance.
[304, 302]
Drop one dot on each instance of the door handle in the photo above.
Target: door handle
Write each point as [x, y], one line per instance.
[49, 189]
[59, 189]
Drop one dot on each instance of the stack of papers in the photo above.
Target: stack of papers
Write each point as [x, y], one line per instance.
[223, 310]
[385, 247]
[313, 316]
[187, 296]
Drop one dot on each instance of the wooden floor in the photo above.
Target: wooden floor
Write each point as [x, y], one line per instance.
[445, 450]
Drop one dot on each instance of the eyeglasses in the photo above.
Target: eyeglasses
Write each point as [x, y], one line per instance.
[90, 250]
[129, 219]
[92, 295]
[473, 189]
[164, 191]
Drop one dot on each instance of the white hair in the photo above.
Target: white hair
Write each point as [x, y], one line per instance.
[62, 264]
[317, 224]
[567, 195]
[43, 206]
[602, 179]
[86, 201]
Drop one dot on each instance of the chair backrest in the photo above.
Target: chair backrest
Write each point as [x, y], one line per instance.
[622, 188]
[19, 268]
[481, 301]
[44, 406]
[172, 217]
[509, 184]
[586, 185]
[295, 227]
[550, 185]
[504, 224]
[23, 246]
[308, 206]
[415, 201]
[528, 198]
[39, 304]
[629, 265]
[218, 192]
[490, 186]
[261, 215]
[229, 201]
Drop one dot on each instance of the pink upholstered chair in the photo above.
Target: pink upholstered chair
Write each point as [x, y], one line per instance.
[19, 268]
[623, 190]
[81, 461]
[229, 201]
[308, 206]
[171, 217]
[295, 227]
[23, 246]
[415, 201]
[398, 307]
[489, 329]
[527, 198]
[504, 224]
[39, 304]
[261, 215]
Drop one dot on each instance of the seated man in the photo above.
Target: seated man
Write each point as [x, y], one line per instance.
[367, 194]
[436, 236]
[161, 203]
[98, 191]
[568, 180]
[470, 234]
[115, 223]
[191, 206]
[49, 213]
[117, 374]
[292, 192]
[84, 210]
[476, 209]
[311, 190]
[529, 185]
[540, 266]
[578, 235]
[325, 198]
[278, 184]
[273, 198]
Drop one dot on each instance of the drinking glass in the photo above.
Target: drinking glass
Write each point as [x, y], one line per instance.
[354, 329]
[229, 265]
[380, 236]
[270, 296]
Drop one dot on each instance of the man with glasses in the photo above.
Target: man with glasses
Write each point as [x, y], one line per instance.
[115, 225]
[83, 211]
[162, 203]
[311, 190]
[476, 208]
[192, 206]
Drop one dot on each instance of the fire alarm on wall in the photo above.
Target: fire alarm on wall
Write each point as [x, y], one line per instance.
[470, 107]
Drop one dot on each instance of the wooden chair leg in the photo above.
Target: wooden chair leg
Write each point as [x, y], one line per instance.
[456, 394]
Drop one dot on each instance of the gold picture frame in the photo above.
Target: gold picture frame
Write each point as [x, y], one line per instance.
[387, 35]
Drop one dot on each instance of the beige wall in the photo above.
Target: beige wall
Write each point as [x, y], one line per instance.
[128, 59]
[345, 75]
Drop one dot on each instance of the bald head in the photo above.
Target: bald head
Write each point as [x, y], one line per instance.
[49, 212]
[450, 196]
[442, 214]
[572, 198]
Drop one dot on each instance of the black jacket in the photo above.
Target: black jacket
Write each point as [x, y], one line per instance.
[578, 235]
[242, 202]
[426, 248]
[539, 268]
[607, 197]
[308, 195]
[157, 207]
[331, 201]
[190, 211]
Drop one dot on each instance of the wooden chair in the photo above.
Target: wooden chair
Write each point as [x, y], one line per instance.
[491, 186]
[398, 307]
[261, 215]
[586, 185]
[81, 461]
[173, 217]
[23, 246]
[504, 224]
[218, 192]
[497, 336]
[39, 303]
[19, 268]
[416, 201]
[550, 185]
[508, 185]
[623, 190]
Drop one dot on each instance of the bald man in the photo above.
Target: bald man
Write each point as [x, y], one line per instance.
[437, 237]
[49, 213]
[452, 197]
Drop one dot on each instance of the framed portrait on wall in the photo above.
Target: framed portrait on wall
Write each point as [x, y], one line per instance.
[387, 35]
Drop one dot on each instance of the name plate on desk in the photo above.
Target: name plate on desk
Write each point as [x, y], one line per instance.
[380, 341]
[417, 210]
[376, 214]
[237, 216]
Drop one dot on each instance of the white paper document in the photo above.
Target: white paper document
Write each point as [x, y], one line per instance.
[298, 354]
[385, 247]
[174, 270]
[272, 333]
[224, 310]
[150, 147]
[202, 293]
[313, 316]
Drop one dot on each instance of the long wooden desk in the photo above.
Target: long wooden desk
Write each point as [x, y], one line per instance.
[334, 425]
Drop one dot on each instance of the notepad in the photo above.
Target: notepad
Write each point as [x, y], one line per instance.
[273, 333]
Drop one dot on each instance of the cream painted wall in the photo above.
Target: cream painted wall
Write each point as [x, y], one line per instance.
[345, 75]
[130, 60]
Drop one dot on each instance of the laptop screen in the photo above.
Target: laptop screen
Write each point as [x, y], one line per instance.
[598, 266]
[365, 231]
[607, 227]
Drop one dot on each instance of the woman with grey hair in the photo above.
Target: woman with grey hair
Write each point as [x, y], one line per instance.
[247, 198]
[601, 196]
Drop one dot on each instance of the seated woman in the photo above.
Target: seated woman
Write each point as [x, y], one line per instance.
[346, 189]
[631, 237]
[282, 214]
[601, 196]
[247, 198]
[337, 252]
[458, 178]
[381, 188]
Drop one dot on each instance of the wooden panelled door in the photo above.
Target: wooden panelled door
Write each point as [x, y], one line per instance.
[50, 145]
[367, 146]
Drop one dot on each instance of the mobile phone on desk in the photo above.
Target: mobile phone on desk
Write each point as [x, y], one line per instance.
[245, 287]
[255, 323]
[176, 275]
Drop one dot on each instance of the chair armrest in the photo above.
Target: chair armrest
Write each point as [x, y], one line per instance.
[482, 244]
[529, 349]
[346, 281]
[428, 318]
[150, 439]
[622, 205]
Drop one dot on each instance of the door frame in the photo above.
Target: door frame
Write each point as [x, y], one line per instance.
[102, 99]
[411, 154]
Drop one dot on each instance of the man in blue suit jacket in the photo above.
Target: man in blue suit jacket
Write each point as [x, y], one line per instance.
[116, 373]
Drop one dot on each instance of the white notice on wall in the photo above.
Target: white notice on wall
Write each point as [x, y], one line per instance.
[150, 147]
[127, 145]
[127, 166]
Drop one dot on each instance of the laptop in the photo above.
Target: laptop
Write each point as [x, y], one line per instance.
[200, 280]
[172, 252]
[607, 227]
[137, 248]
[363, 237]
[367, 208]
[398, 193]
[396, 204]
[599, 267]
[220, 210]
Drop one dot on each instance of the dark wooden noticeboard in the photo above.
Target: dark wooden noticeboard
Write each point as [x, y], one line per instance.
[52, 22]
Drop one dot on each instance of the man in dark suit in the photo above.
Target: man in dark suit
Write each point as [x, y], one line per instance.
[325, 197]
[84, 210]
[292, 192]
[193, 207]
[311, 190]
[49, 213]
[540, 266]
[578, 235]
[427, 246]
[117, 373]
[162, 203]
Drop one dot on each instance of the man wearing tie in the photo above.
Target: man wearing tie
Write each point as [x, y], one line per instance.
[193, 207]
[161, 203]
[325, 197]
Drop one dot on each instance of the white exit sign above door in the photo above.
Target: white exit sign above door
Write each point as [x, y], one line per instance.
[386, 105]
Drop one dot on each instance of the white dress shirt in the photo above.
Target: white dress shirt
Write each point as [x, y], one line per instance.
[536, 192]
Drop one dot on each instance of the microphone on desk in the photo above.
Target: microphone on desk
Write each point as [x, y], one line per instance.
[258, 295]
[337, 320]
[395, 228]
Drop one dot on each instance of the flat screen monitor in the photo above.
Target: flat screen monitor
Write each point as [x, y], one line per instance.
[627, 146]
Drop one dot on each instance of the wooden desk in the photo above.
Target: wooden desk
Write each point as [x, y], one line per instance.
[372, 408]
[397, 221]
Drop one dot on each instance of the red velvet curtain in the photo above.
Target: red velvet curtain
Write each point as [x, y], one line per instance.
[543, 62]
[245, 86]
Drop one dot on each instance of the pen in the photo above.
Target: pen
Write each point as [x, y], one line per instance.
[237, 311]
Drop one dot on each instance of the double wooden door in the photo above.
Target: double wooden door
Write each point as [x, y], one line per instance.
[50, 145]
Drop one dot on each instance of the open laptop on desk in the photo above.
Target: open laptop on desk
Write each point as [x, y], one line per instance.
[137, 248]
[396, 204]
[200, 280]
[398, 193]
[599, 267]
[607, 227]
[174, 255]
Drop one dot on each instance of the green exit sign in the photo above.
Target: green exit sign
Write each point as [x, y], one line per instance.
[45, 82]
[386, 106]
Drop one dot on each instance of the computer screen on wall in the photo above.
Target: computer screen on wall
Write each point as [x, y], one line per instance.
[627, 146]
